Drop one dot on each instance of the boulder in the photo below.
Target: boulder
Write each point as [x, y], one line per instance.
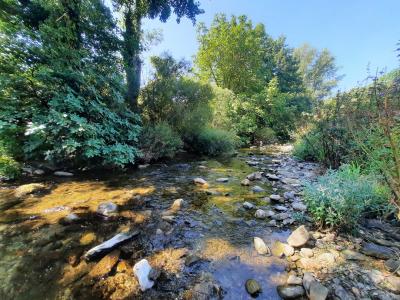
[142, 271]
[318, 291]
[260, 214]
[199, 181]
[290, 291]
[377, 251]
[26, 189]
[253, 287]
[299, 237]
[107, 209]
[261, 247]
[63, 174]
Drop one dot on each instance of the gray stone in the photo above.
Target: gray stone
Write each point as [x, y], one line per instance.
[294, 280]
[260, 214]
[318, 291]
[308, 278]
[276, 198]
[341, 293]
[257, 189]
[142, 271]
[353, 255]
[393, 283]
[254, 176]
[288, 221]
[272, 177]
[291, 181]
[248, 205]
[280, 208]
[63, 174]
[393, 265]
[290, 291]
[288, 195]
[261, 247]
[223, 179]
[281, 216]
[306, 252]
[245, 182]
[299, 206]
[107, 209]
[199, 181]
[299, 237]
[377, 251]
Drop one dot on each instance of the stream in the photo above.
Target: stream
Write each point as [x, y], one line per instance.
[204, 247]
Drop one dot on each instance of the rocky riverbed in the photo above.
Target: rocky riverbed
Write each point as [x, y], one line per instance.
[188, 229]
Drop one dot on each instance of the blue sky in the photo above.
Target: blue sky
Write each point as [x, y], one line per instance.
[359, 33]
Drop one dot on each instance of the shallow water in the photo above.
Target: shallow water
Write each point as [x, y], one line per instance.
[37, 246]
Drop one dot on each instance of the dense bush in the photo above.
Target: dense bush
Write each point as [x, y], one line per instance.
[213, 142]
[9, 168]
[159, 141]
[340, 198]
[265, 135]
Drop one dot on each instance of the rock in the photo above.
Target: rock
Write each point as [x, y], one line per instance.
[341, 293]
[191, 259]
[393, 265]
[70, 218]
[144, 166]
[257, 189]
[199, 181]
[260, 214]
[318, 291]
[224, 179]
[272, 177]
[306, 252]
[279, 249]
[248, 205]
[294, 280]
[142, 271]
[280, 208]
[38, 172]
[275, 198]
[377, 251]
[177, 205]
[105, 265]
[281, 216]
[272, 223]
[253, 287]
[254, 176]
[393, 283]
[26, 189]
[291, 181]
[290, 291]
[269, 213]
[261, 247]
[299, 206]
[353, 255]
[288, 195]
[308, 278]
[326, 259]
[107, 209]
[376, 276]
[245, 182]
[110, 244]
[288, 221]
[63, 174]
[252, 163]
[299, 237]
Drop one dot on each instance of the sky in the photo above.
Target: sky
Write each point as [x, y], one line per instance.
[361, 34]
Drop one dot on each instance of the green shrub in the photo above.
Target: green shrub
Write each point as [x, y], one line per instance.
[309, 148]
[9, 168]
[159, 141]
[213, 142]
[265, 135]
[340, 198]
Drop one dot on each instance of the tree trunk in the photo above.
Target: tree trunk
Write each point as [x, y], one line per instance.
[131, 56]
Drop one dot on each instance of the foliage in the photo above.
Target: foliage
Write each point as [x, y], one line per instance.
[265, 135]
[9, 168]
[340, 198]
[212, 142]
[159, 141]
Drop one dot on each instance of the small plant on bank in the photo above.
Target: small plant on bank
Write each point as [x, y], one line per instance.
[341, 197]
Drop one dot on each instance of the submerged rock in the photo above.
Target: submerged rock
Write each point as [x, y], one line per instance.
[290, 291]
[142, 271]
[294, 280]
[279, 249]
[105, 265]
[261, 247]
[275, 198]
[299, 237]
[110, 244]
[253, 287]
[107, 208]
[26, 189]
[377, 251]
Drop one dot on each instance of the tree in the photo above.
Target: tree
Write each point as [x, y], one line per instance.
[318, 70]
[133, 12]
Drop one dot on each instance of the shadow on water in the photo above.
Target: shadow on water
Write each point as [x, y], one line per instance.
[37, 247]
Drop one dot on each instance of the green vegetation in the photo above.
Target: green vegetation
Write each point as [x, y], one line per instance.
[341, 197]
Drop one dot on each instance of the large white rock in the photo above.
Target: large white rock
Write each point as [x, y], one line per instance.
[260, 246]
[142, 270]
[299, 237]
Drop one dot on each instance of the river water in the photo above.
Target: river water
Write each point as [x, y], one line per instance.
[41, 253]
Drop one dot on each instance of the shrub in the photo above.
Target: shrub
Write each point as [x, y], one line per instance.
[308, 147]
[213, 142]
[159, 141]
[265, 135]
[9, 168]
[340, 198]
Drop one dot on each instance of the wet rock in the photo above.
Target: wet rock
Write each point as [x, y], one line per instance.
[275, 198]
[269, 213]
[272, 177]
[168, 218]
[281, 216]
[38, 172]
[257, 189]
[279, 249]
[87, 239]
[341, 293]
[248, 205]
[376, 276]
[254, 176]
[393, 265]
[105, 265]
[245, 182]
[280, 208]
[306, 252]
[261, 247]
[63, 174]
[110, 244]
[26, 189]
[260, 214]
[70, 218]
[294, 280]
[222, 180]
[290, 291]
[318, 291]
[299, 206]
[191, 259]
[142, 270]
[291, 181]
[107, 209]
[299, 237]
[177, 205]
[377, 251]
[308, 278]
[252, 163]
[73, 273]
[272, 223]
[288, 221]
[199, 181]
[124, 267]
[353, 255]
[288, 195]
[253, 287]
